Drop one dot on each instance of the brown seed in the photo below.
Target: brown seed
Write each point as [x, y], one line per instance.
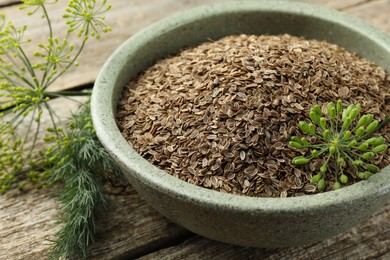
[220, 114]
[242, 155]
[343, 92]
[204, 162]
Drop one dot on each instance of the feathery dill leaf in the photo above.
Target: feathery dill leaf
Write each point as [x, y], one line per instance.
[81, 163]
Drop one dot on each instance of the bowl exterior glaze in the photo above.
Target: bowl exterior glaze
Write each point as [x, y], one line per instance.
[246, 221]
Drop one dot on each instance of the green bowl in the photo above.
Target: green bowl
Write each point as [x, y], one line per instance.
[240, 220]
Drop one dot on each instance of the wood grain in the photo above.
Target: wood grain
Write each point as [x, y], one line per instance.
[361, 242]
[377, 13]
[130, 228]
[27, 224]
[345, 4]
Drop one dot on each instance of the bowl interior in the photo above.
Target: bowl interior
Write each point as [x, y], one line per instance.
[213, 22]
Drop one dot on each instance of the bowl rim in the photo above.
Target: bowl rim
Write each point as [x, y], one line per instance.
[102, 107]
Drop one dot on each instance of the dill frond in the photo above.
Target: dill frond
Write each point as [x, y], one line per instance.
[81, 163]
[77, 158]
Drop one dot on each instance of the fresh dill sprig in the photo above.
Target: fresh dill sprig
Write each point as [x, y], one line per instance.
[77, 158]
[80, 162]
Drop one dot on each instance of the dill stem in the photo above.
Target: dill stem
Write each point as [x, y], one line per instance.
[26, 62]
[47, 68]
[15, 72]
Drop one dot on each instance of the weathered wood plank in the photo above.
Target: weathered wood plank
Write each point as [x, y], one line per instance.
[27, 223]
[130, 227]
[369, 240]
[345, 4]
[376, 13]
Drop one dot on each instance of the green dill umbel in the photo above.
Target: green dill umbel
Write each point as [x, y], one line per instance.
[26, 77]
[342, 140]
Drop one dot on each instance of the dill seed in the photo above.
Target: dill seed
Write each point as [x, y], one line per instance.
[221, 114]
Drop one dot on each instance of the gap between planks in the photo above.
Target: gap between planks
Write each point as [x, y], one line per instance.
[165, 244]
[357, 4]
[6, 3]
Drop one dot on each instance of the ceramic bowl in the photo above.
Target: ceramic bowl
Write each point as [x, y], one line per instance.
[240, 220]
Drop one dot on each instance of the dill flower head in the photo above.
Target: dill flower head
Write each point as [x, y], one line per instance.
[87, 18]
[10, 36]
[35, 4]
[55, 54]
[339, 141]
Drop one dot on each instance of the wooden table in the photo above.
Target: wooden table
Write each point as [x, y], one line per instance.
[130, 228]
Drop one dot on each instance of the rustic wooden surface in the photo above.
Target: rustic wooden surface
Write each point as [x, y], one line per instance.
[130, 228]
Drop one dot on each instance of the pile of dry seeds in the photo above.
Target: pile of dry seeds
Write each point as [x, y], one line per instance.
[220, 115]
